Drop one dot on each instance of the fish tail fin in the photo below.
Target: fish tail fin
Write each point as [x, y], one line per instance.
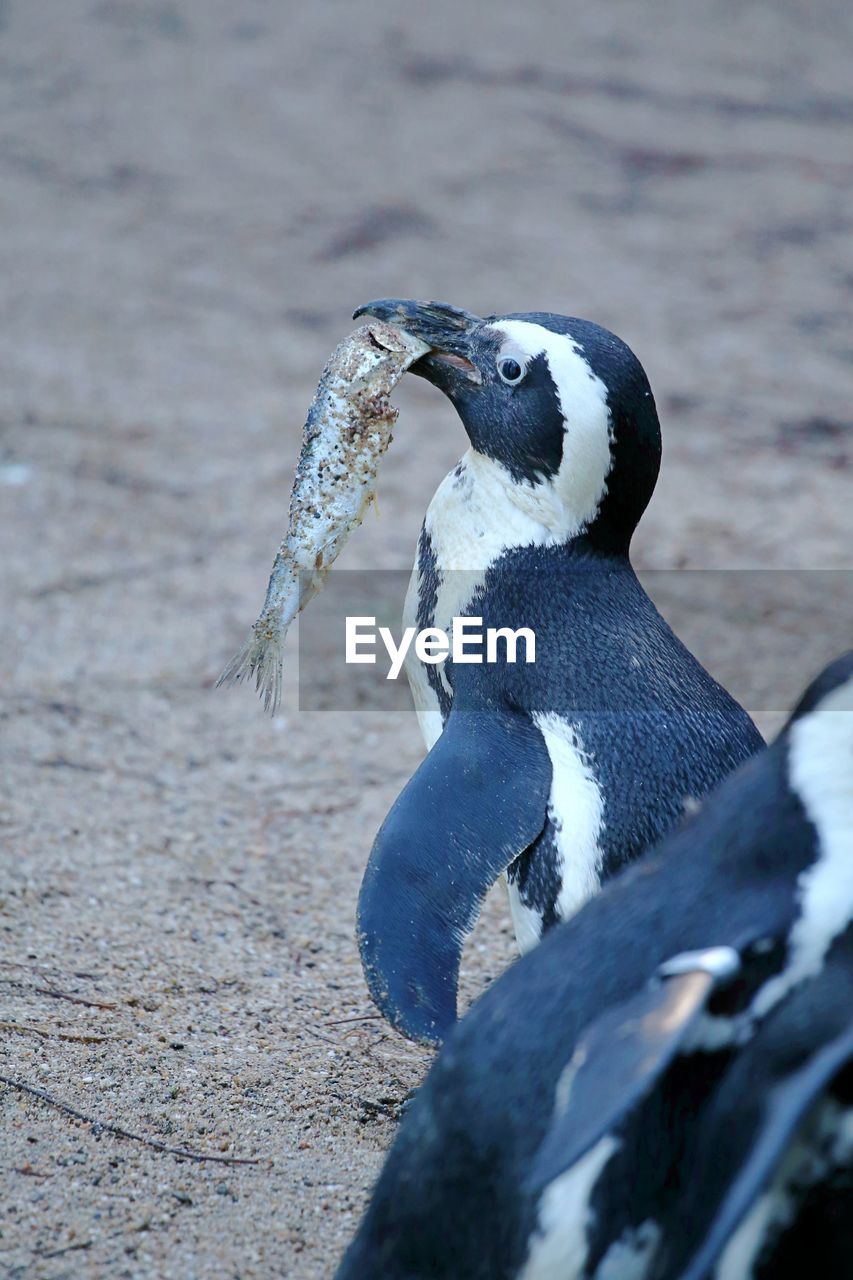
[261, 659]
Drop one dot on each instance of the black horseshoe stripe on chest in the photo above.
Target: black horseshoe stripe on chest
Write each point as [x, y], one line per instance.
[429, 581]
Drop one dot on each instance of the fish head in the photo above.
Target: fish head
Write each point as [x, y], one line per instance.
[561, 404]
[449, 331]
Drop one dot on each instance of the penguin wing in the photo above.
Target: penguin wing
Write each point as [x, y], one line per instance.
[782, 1107]
[621, 1055]
[477, 801]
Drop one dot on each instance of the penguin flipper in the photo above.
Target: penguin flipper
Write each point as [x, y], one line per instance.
[621, 1055]
[478, 800]
[785, 1106]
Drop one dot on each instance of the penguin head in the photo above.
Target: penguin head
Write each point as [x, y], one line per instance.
[560, 405]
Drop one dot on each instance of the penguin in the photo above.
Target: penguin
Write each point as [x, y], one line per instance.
[768, 1187]
[662, 1089]
[560, 772]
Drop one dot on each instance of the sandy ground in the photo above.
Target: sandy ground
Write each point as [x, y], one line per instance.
[194, 196]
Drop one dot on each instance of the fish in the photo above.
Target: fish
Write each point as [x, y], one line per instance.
[345, 436]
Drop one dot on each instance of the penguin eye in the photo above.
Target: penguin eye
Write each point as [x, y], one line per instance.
[510, 370]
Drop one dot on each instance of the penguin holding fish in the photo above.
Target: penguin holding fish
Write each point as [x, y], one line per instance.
[662, 1090]
[556, 774]
[559, 773]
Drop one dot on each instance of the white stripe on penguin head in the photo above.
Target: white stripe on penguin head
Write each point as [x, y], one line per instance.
[581, 482]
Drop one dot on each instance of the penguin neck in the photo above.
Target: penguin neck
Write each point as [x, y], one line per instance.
[479, 512]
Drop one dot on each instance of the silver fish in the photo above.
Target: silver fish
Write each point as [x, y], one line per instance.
[346, 433]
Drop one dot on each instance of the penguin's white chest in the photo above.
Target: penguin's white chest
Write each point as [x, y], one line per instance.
[470, 523]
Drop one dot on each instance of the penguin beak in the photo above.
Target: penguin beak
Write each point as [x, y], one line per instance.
[448, 330]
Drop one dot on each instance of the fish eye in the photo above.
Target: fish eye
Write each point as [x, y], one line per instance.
[510, 370]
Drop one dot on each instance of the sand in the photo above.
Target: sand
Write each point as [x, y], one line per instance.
[195, 196]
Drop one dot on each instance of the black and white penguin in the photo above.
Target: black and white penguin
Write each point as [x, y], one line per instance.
[662, 1090]
[558, 773]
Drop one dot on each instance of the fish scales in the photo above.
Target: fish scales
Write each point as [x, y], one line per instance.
[346, 434]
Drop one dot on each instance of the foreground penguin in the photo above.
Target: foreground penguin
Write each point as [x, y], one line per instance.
[561, 772]
[662, 1089]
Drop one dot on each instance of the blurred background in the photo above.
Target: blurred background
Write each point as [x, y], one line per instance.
[194, 198]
